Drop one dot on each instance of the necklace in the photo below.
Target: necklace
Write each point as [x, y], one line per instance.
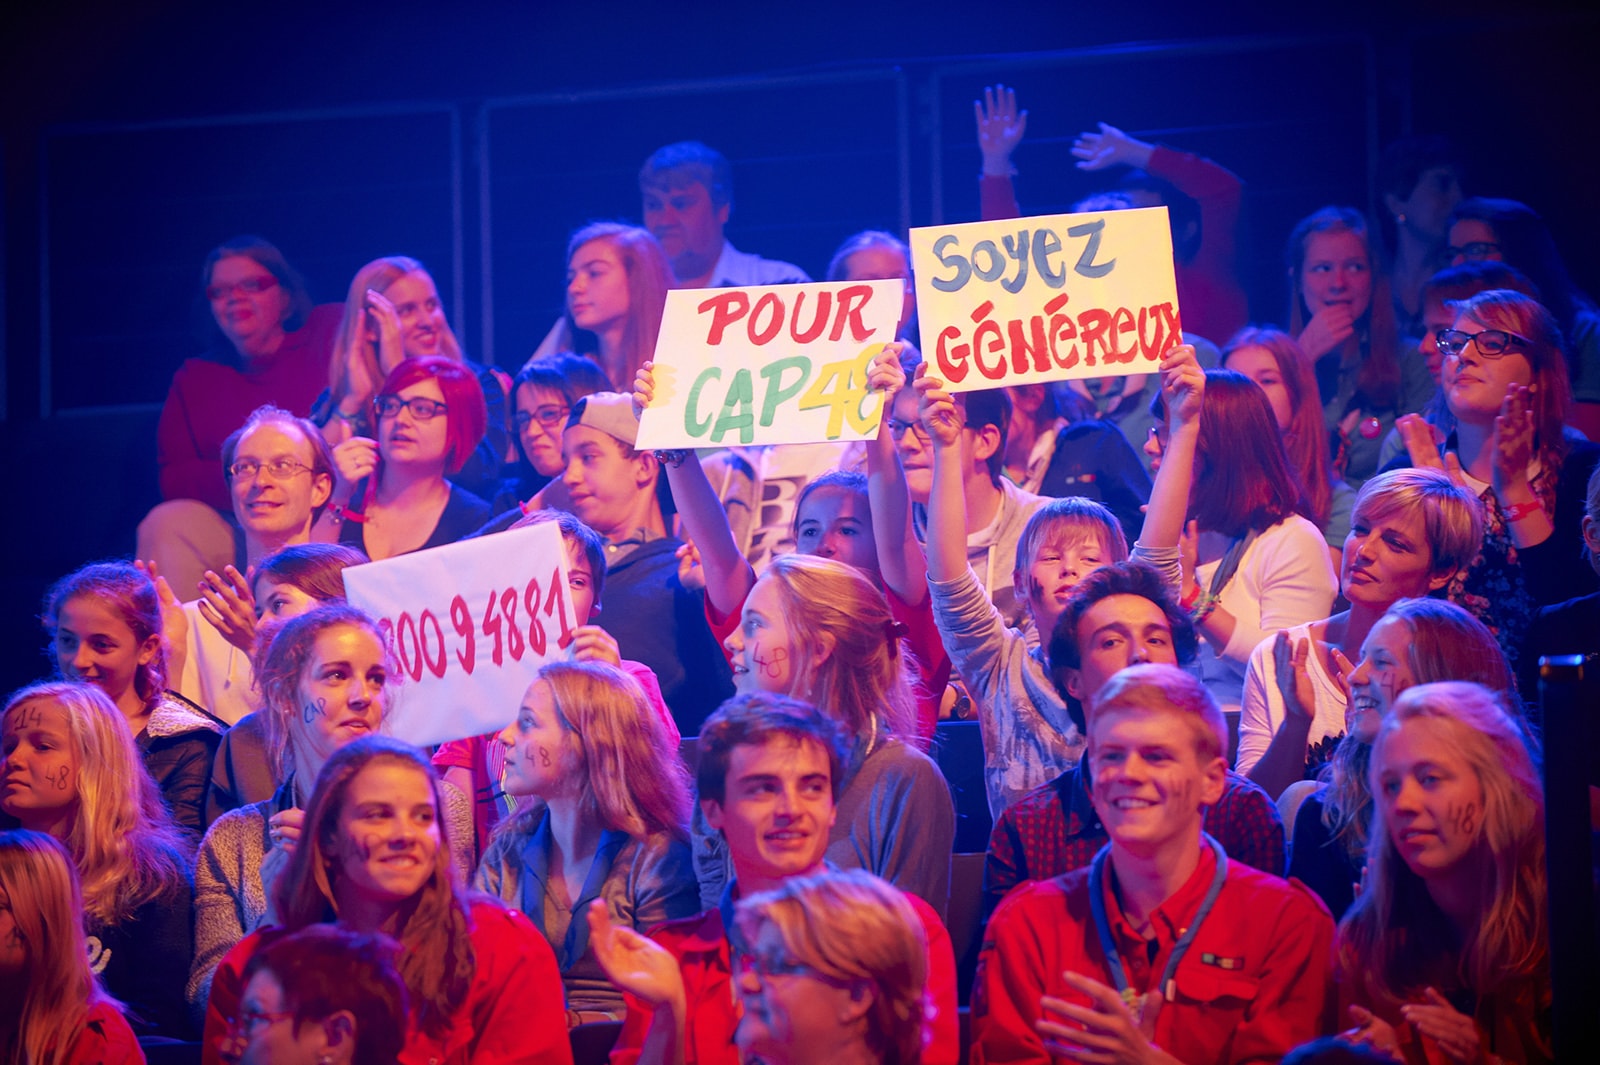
[1108, 942]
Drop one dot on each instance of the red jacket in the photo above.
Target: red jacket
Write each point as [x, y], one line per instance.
[1255, 983]
[515, 1011]
[105, 1039]
[701, 946]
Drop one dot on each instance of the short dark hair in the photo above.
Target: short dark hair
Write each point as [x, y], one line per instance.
[324, 969]
[1131, 577]
[1466, 280]
[574, 530]
[753, 718]
[989, 406]
[693, 161]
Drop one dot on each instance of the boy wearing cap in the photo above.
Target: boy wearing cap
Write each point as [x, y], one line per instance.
[654, 618]
[1162, 950]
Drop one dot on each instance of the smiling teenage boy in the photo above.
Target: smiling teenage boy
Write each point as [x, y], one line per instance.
[769, 773]
[1162, 950]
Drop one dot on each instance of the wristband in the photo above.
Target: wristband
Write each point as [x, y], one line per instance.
[673, 458]
[1204, 607]
[1191, 597]
[1517, 511]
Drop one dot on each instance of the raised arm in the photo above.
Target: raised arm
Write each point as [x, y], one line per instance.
[1000, 130]
[728, 575]
[947, 503]
[900, 558]
[1183, 387]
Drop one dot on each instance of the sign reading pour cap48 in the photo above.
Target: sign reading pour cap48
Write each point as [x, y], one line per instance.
[1046, 299]
[775, 364]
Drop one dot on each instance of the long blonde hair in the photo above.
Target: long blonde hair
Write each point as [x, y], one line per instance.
[1395, 940]
[852, 927]
[634, 780]
[122, 839]
[351, 343]
[865, 676]
[37, 877]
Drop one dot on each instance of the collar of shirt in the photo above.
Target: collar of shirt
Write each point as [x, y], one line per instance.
[617, 550]
[1073, 786]
[1167, 923]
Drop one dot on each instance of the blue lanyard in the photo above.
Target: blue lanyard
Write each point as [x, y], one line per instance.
[1108, 942]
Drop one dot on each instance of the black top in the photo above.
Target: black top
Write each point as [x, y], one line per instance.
[143, 961]
[1321, 862]
[463, 514]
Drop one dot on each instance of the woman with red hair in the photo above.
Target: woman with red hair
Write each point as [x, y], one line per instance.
[390, 495]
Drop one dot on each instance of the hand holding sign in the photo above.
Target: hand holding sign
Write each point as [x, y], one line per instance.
[469, 624]
[778, 364]
[1046, 299]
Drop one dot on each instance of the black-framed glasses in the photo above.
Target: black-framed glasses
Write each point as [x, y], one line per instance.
[280, 469]
[548, 416]
[422, 408]
[250, 286]
[1491, 343]
[249, 1021]
[897, 429]
[1473, 251]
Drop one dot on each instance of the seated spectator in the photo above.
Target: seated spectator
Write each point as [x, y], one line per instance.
[1252, 562]
[1418, 641]
[285, 585]
[391, 496]
[1572, 627]
[1444, 956]
[1505, 384]
[542, 396]
[1484, 229]
[617, 282]
[859, 954]
[266, 345]
[280, 474]
[1412, 532]
[770, 772]
[873, 255]
[1419, 179]
[54, 1010]
[816, 628]
[1451, 285]
[1118, 616]
[323, 995]
[1197, 958]
[393, 313]
[104, 623]
[611, 823]
[1202, 199]
[73, 773]
[1272, 359]
[688, 195]
[324, 683]
[859, 519]
[1341, 315]
[1029, 735]
[652, 615]
[476, 766]
[996, 509]
[374, 856]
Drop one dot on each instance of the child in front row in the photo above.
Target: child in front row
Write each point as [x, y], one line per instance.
[1031, 733]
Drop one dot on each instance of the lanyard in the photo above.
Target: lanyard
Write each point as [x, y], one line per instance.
[1108, 942]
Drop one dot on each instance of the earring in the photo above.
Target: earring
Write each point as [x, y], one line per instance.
[1400, 218]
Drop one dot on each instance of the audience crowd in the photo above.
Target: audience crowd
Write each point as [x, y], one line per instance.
[1249, 642]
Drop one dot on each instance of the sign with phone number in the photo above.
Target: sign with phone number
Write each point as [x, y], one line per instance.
[468, 625]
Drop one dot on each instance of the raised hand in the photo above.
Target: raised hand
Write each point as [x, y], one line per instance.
[884, 373]
[353, 460]
[1110, 147]
[1289, 661]
[384, 330]
[1513, 439]
[635, 964]
[1183, 385]
[1000, 127]
[644, 388]
[1327, 331]
[936, 410]
[591, 643]
[227, 602]
[690, 573]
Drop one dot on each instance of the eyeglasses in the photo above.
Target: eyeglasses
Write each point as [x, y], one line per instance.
[250, 286]
[1473, 251]
[897, 429]
[548, 416]
[1159, 434]
[422, 408]
[249, 1021]
[277, 469]
[1491, 343]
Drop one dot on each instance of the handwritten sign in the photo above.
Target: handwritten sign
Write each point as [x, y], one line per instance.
[777, 364]
[468, 625]
[1046, 299]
